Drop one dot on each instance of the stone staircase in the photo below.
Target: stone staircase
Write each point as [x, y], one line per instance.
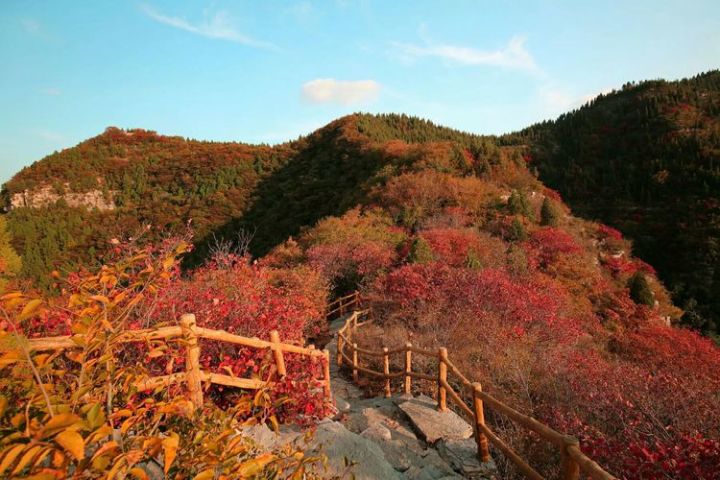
[400, 437]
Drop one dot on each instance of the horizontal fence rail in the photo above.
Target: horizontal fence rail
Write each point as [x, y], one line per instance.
[190, 333]
[573, 461]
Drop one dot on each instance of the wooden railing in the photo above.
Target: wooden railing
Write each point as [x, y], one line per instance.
[343, 305]
[190, 333]
[573, 461]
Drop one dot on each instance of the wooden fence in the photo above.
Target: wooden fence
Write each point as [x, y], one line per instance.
[190, 333]
[573, 461]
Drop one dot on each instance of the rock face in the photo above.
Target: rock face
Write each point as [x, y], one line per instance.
[350, 454]
[46, 196]
[432, 424]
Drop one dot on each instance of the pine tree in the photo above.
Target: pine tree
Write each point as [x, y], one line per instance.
[519, 205]
[549, 214]
[640, 290]
[420, 251]
[9, 260]
[517, 231]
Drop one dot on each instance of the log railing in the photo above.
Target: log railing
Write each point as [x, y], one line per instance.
[573, 461]
[194, 376]
[343, 305]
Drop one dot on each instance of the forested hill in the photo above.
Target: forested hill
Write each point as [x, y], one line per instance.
[646, 160]
[65, 207]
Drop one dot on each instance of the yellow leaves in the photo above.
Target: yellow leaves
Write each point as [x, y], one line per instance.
[75, 300]
[95, 416]
[27, 457]
[207, 474]
[3, 405]
[100, 298]
[170, 447]
[256, 465]
[139, 473]
[71, 441]
[29, 309]
[59, 422]
[9, 455]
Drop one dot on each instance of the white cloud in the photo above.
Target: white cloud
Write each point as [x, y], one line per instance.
[329, 90]
[555, 101]
[513, 55]
[31, 26]
[52, 91]
[50, 136]
[217, 26]
[301, 10]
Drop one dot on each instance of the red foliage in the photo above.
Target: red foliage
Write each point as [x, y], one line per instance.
[451, 246]
[343, 260]
[608, 232]
[547, 244]
[488, 293]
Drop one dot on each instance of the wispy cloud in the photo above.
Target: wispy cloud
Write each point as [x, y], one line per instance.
[514, 55]
[217, 26]
[554, 101]
[50, 136]
[343, 92]
[52, 91]
[31, 26]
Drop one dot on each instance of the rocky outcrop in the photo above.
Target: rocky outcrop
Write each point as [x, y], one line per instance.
[46, 196]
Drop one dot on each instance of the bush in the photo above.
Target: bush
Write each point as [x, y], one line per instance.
[640, 290]
[549, 213]
[80, 414]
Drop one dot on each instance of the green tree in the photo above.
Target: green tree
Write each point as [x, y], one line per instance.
[549, 213]
[517, 231]
[640, 290]
[420, 251]
[519, 204]
[10, 262]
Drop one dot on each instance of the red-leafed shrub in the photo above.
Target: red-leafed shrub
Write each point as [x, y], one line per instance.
[352, 247]
[465, 247]
[548, 244]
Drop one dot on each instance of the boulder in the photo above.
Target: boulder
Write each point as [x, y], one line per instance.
[433, 425]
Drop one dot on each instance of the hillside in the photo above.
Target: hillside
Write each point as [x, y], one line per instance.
[646, 160]
[451, 239]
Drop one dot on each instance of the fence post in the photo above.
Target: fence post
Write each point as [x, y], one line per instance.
[480, 438]
[339, 349]
[569, 467]
[326, 374]
[442, 379]
[355, 362]
[277, 353]
[192, 359]
[386, 371]
[408, 368]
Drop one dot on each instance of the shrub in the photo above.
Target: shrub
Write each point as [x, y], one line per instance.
[640, 290]
[79, 413]
[549, 213]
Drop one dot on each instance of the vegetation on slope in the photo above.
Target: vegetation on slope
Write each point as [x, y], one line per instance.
[456, 243]
[79, 413]
[646, 160]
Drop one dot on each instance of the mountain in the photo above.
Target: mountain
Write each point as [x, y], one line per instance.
[452, 240]
[646, 160]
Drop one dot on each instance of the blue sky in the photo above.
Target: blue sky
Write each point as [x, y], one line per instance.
[269, 71]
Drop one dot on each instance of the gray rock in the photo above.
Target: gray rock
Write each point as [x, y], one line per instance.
[349, 453]
[462, 457]
[341, 404]
[376, 432]
[433, 425]
[266, 439]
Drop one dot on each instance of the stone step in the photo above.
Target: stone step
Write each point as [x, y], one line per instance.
[433, 425]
